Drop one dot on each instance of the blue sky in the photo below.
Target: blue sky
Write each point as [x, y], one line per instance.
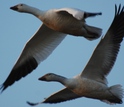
[68, 59]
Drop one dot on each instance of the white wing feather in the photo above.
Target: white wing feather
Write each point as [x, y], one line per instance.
[76, 13]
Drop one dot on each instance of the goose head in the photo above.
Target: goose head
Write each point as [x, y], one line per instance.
[48, 77]
[23, 8]
[53, 77]
[20, 7]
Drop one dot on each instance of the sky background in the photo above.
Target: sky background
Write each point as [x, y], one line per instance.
[68, 59]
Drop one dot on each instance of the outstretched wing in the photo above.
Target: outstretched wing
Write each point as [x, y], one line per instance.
[60, 96]
[37, 49]
[105, 54]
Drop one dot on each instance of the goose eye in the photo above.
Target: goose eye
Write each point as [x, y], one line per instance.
[21, 4]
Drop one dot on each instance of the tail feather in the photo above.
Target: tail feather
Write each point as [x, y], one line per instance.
[117, 93]
[93, 32]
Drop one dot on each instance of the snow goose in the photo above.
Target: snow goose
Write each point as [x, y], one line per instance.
[57, 23]
[92, 83]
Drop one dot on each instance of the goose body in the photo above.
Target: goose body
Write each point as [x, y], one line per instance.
[92, 82]
[57, 23]
[65, 20]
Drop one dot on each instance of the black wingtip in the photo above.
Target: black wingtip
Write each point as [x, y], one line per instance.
[100, 13]
[87, 14]
[32, 104]
[2, 88]
[18, 72]
[118, 9]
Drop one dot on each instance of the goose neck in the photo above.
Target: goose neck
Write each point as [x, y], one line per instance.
[36, 12]
[60, 79]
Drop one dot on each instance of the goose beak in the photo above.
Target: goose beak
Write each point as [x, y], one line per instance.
[43, 78]
[14, 8]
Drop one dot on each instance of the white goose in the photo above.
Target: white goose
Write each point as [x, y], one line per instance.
[57, 23]
[92, 83]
